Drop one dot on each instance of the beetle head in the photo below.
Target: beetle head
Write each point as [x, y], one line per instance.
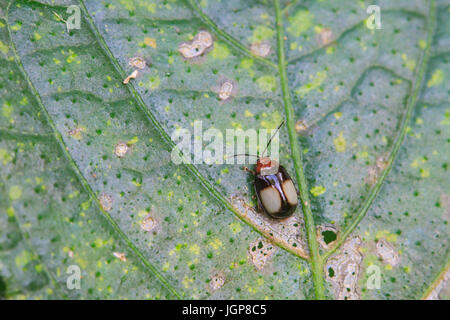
[266, 166]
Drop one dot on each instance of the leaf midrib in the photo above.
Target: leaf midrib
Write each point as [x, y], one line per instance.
[81, 178]
[297, 152]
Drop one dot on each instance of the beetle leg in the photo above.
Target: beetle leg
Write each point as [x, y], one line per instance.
[248, 170]
[260, 208]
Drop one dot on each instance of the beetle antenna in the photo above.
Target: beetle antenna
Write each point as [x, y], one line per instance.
[245, 154]
[270, 140]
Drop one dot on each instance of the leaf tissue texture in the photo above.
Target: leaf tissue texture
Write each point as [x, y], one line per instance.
[87, 178]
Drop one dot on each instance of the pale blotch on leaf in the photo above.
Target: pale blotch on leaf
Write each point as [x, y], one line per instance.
[301, 126]
[260, 251]
[325, 36]
[76, 133]
[225, 89]
[376, 170]
[106, 202]
[121, 149]
[387, 253]
[217, 282]
[343, 270]
[120, 255]
[149, 223]
[261, 49]
[201, 43]
[137, 62]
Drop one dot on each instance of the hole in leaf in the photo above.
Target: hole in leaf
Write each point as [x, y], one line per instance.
[330, 272]
[329, 236]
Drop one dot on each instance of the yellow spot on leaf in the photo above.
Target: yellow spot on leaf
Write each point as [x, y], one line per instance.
[267, 83]
[15, 192]
[134, 140]
[5, 157]
[7, 109]
[216, 243]
[422, 44]
[261, 33]
[318, 190]
[3, 48]
[195, 249]
[436, 79]
[337, 115]
[23, 258]
[300, 22]
[150, 42]
[236, 227]
[424, 173]
[391, 237]
[340, 143]
[409, 63]
[220, 51]
[315, 83]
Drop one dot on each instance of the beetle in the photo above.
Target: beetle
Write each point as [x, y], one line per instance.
[276, 193]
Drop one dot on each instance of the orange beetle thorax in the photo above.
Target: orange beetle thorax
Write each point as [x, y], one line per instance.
[266, 166]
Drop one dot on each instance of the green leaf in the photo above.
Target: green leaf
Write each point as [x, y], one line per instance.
[87, 178]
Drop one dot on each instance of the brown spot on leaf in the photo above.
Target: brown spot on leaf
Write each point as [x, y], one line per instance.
[387, 253]
[137, 62]
[106, 202]
[261, 49]
[121, 149]
[286, 233]
[217, 281]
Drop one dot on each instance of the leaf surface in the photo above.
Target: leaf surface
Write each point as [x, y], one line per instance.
[372, 113]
